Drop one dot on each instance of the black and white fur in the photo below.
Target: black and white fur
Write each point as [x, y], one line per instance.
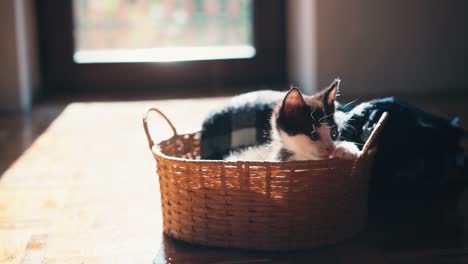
[303, 128]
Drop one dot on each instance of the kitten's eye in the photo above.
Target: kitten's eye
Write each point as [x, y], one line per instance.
[334, 134]
[314, 136]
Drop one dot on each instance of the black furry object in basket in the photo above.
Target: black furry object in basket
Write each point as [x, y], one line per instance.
[419, 154]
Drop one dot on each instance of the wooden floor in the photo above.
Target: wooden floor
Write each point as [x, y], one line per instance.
[79, 186]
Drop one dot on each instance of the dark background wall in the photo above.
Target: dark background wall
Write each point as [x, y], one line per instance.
[382, 47]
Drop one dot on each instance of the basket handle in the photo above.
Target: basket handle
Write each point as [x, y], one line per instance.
[375, 133]
[145, 124]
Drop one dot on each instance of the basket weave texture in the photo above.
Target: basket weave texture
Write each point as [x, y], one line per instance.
[259, 205]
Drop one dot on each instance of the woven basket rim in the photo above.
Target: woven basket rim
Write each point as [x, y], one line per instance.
[157, 152]
[369, 147]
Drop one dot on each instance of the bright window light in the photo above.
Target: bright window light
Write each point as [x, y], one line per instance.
[122, 31]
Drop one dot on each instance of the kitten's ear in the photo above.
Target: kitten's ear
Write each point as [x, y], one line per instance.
[293, 100]
[329, 95]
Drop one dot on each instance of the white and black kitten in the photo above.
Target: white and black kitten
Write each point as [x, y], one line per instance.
[303, 128]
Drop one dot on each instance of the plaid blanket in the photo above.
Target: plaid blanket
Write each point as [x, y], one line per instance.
[244, 121]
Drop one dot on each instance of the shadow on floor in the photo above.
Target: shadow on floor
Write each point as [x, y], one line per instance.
[19, 130]
[400, 235]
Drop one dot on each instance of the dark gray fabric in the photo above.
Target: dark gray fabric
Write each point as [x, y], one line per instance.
[221, 128]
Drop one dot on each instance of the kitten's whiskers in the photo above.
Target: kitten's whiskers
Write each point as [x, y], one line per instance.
[352, 102]
[347, 125]
[325, 117]
[312, 114]
[351, 141]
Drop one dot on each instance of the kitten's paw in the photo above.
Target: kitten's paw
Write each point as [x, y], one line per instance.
[346, 150]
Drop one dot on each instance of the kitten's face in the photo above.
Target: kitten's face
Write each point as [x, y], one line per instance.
[306, 124]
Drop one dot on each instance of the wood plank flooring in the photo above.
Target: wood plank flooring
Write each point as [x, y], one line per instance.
[79, 186]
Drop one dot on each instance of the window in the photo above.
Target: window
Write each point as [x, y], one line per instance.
[115, 31]
[161, 45]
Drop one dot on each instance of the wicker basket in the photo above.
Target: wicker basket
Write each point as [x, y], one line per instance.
[259, 205]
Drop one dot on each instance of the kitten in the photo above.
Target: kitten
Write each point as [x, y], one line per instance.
[303, 128]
